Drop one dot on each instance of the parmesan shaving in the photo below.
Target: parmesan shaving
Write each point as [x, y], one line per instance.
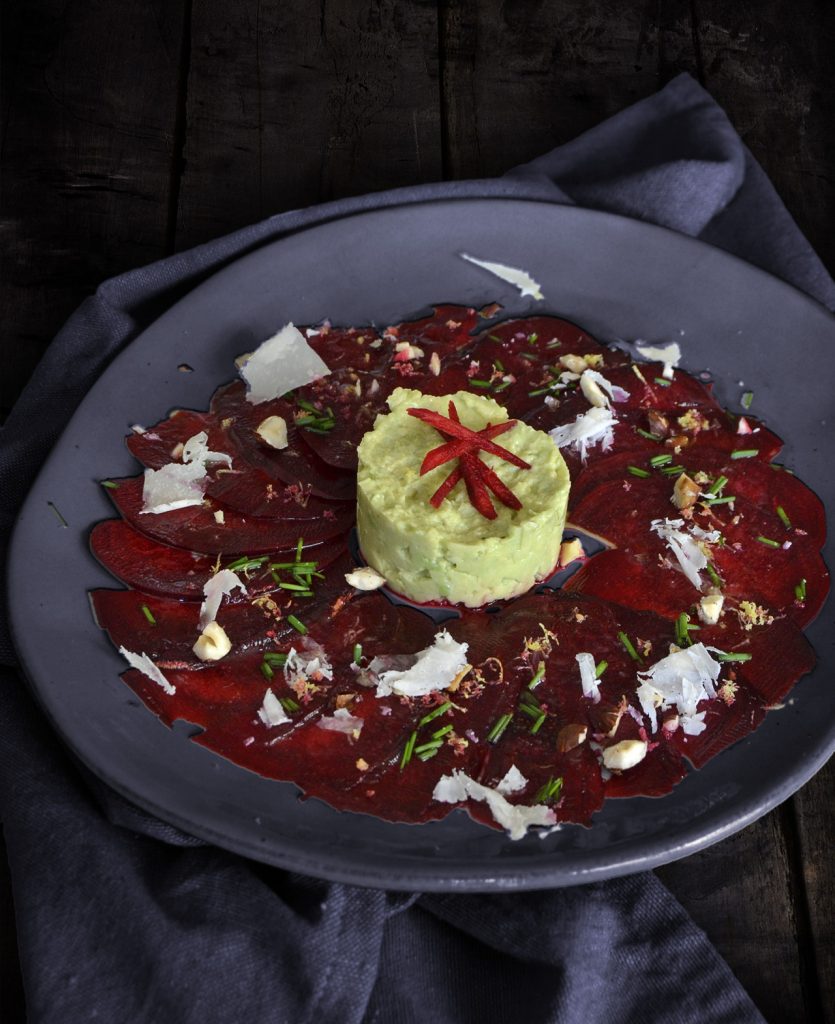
[687, 547]
[682, 679]
[214, 590]
[180, 484]
[513, 782]
[342, 721]
[587, 430]
[669, 355]
[271, 712]
[520, 279]
[142, 663]
[433, 669]
[516, 819]
[588, 676]
[311, 664]
[283, 362]
[600, 392]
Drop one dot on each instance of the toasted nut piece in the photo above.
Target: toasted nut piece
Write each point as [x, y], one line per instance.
[365, 578]
[670, 724]
[570, 551]
[435, 364]
[220, 518]
[574, 363]
[659, 425]
[593, 392]
[710, 608]
[678, 441]
[344, 699]
[626, 754]
[273, 431]
[611, 717]
[362, 764]
[213, 643]
[571, 736]
[685, 492]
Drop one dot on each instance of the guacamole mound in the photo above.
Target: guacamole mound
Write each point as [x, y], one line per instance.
[453, 553]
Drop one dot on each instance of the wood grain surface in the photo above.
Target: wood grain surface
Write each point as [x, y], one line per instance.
[135, 128]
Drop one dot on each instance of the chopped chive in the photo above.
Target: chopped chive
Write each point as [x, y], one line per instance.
[734, 656]
[427, 754]
[430, 745]
[275, 576]
[540, 391]
[307, 406]
[502, 386]
[275, 658]
[441, 709]
[660, 460]
[600, 668]
[721, 501]
[768, 541]
[747, 399]
[715, 578]
[554, 343]
[629, 647]
[683, 628]
[800, 590]
[531, 358]
[537, 725]
[149, 615]
[672, 470]
[298, 566]
[438, 733]
[290, 706]
[784, 519]
[494, 337]
[58, 515]
[110, 485]
[637, 471]
[531, 710]
[538, 676]
[662, 381]
[499, 727]
[299, 546]
[533, 338]
[408, 750]
[745, 453]
[475, 383]
[498, 365]
[297, 624]
[321, 429]
[246, 563]
[550, 791]
[648, 435]
[293, 586]
[266, 670]
[357, 653]
[718, 485]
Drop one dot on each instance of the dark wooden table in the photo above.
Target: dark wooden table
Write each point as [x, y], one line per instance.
[136, 128]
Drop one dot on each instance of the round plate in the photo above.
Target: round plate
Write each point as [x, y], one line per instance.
[618, 278]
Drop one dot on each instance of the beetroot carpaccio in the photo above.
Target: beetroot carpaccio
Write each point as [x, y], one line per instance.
[655, 655]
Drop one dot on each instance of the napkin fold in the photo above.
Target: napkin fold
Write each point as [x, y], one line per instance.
[124, 917]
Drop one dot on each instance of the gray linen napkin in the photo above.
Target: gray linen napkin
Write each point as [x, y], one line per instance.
[123, 917]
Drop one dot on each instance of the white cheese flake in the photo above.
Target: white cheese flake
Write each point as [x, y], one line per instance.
[433, 669]
[271, 712]
[342, 721]
[283, 362]
[588, 675]
[180, 484]
[588, 429]
[669, 355]
[365, 578]
[142, 663]
[520, 279]
[599, 392]
[214, 590]
[308, 665]
[516, 819]
[513, 782]
[681, 680]
[687, 547]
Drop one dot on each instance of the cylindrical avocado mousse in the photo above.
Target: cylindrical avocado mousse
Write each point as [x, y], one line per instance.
[454, 553]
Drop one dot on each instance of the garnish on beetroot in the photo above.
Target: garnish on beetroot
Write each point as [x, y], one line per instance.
[465, 444]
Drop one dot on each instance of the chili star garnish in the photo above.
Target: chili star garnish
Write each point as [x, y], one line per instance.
[465, 444]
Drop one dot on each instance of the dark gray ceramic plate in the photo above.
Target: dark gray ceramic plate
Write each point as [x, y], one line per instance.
[618, 278]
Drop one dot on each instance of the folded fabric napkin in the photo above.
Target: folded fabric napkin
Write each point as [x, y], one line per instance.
[123, 917]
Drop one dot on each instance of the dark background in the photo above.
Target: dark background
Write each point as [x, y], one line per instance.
[132, 129]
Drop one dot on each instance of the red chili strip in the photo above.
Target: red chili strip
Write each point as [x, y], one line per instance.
[453, 449]
[494, 482]
[437, 498]
[476, 488]
[457, 430]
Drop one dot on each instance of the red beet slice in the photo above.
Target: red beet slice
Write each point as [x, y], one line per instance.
[295, 465]
[195, 528]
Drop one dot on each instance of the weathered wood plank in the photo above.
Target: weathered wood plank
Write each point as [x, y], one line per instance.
[89, 110]
[741, 893]
[816, 835]
[521, 78]
[295, 103]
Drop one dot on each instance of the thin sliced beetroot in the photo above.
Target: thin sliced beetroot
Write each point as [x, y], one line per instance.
[355, 399]
[195, 528]
[166, 571]
[295, 465]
